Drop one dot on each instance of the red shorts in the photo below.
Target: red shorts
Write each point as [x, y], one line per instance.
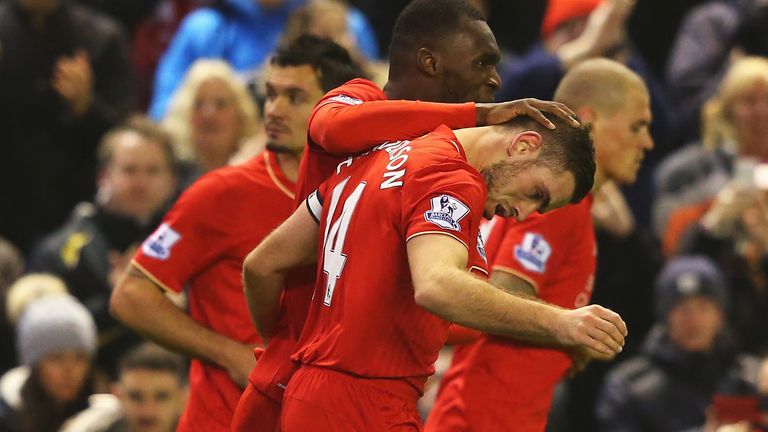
[320, 400]
[256, 413]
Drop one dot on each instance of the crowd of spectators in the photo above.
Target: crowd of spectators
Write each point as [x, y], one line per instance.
[109, 110]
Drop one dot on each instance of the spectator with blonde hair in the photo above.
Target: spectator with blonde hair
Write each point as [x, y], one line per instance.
[210, 117]
[734, 140]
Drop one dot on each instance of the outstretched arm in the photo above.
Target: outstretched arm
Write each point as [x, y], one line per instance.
[291, 245]
[356, 116]
[445, 288]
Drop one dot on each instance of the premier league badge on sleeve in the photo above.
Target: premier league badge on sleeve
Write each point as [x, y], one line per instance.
[481, 246]
[533, 253]
[159, 244]
[446, 212]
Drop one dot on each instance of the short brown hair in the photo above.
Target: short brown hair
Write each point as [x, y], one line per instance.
[149, 356]
[143, 126]
[566, 148]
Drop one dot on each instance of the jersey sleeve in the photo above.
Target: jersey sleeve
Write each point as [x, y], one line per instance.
[193, 234]
[529, 249]
[357, 116]
[443, 198]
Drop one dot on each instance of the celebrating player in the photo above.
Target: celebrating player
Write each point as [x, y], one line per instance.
[497, 384]
[442, 50]
[397, 268]
[210, 229]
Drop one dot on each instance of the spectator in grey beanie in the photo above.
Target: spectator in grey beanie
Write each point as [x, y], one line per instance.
[56, 340]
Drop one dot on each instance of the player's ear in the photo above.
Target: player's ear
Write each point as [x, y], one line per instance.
[427, 61]
[526, 143]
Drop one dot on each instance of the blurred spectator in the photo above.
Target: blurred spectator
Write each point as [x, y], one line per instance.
[734, 233]
[735, 138]
[705, 43]
[327, 18]
[149, 396]
[240, 32]
[211, 116]
[575, 30]
[686, 358]
[151, 37]
[56, 343]
[127, 12]
[29, 288]
[11, 266]
[92, 249]
[65, 80]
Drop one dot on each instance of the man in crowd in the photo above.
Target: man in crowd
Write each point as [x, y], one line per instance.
[443, 51]
[398, 242]
[688, 357]
[499, 384]
[152, 390]
[214, 224]
[136, 181]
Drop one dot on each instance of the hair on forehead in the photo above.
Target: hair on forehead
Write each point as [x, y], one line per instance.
[601, 84]
[426, 21]
[332, 63]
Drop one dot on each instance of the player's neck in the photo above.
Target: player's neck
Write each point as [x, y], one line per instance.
[481, 145]
[289, 165]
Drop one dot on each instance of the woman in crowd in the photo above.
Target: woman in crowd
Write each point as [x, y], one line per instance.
[56, 340]
[212, 115]
[735, 139]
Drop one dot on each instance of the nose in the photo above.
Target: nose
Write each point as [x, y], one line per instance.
[494, 80]
[525, 210]
[647, 143]
[275, 107]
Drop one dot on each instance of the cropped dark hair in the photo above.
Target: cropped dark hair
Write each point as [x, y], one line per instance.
[425, 21]
[149, 356]
[331, 61]
[566, 148]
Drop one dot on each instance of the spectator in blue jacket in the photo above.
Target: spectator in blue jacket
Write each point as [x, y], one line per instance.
[241, 32]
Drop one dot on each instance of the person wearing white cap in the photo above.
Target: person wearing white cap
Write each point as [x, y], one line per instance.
[56, 341]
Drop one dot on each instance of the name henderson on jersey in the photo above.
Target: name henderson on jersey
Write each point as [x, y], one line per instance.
[398, 156]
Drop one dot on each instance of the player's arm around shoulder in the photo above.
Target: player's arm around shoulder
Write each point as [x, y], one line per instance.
[291, 245]
[443, 287]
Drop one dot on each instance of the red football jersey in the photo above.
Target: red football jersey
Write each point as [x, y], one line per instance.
[350, 119]
[495, 383]
[363, 318]
[201, 245]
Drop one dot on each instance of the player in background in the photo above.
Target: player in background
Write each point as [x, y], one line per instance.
[498, 384]
[442, 51]
[396, 267]
[205, 236]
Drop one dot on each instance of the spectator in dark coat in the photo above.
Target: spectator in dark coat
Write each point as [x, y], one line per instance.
[687, 357]
[90, 251]
[64, 80]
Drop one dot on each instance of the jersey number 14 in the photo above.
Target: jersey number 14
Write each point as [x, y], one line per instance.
[334, 257]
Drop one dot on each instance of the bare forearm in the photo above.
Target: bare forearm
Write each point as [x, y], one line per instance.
[262, 293]
[474, 303]
[142, 306]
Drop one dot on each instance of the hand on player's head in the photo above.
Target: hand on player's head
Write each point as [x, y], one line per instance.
[498, 113]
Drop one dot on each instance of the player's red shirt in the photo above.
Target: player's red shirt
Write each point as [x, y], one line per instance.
[363, 319]
[350, 119]
[496, 384]
[201, 245]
